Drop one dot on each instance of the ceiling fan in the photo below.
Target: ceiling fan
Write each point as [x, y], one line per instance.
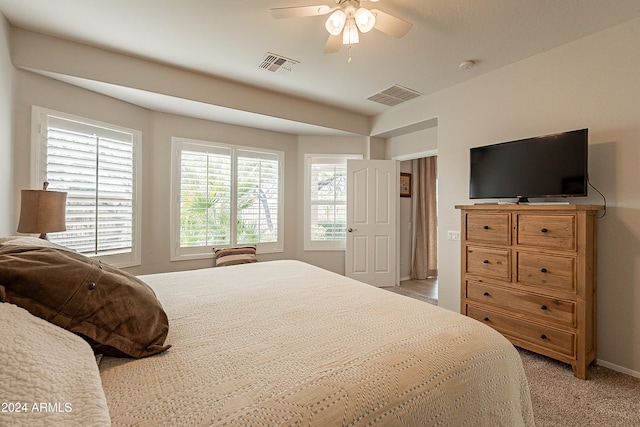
[348, 19]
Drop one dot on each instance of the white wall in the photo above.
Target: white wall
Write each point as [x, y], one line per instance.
[415, 142]
[74, 60]
[593, 83]
[157, 183]
[157, 130]
[30, 51]
[8, 220]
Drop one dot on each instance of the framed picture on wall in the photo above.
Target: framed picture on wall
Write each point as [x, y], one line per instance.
[405, 184]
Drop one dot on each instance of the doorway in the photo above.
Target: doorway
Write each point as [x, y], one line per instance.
[418, 227]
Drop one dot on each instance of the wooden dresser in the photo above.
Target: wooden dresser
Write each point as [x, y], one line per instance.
[529, 271]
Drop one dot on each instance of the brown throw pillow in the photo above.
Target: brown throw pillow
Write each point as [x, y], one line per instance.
[30, 241]
[117, 313]
[233, 256]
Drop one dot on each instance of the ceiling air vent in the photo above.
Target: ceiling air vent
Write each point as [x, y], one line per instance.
[277, 64]
[394, 95]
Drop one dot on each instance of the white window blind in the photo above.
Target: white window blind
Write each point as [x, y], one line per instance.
[95, 165]
[205, 198]
[227, 195]
[326, 207]
[257, 197]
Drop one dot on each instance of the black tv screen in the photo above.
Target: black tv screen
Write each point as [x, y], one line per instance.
[545, 166]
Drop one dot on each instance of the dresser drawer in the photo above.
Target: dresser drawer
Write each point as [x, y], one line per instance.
[547, 231]
[489, 228]
[546, 337]
[538, 307]
[488, 262]
[549, 271]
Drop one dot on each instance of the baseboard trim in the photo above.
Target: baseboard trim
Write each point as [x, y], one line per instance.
[405, 278]
[618, 368]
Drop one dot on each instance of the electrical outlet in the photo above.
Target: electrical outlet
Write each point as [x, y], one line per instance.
[453, 235]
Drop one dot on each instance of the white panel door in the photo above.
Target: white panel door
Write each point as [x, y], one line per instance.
[372, 205]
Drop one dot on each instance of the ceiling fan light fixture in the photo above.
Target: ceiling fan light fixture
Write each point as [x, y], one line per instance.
[365, 20]
[346, 20]
[350, 34]
[335, 22]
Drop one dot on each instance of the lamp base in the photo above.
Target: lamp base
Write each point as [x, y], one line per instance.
[44, 236]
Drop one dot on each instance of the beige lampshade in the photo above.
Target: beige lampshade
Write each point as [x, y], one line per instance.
[42, 211]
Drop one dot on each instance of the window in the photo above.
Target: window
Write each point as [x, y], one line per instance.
[326, 201]
[225, 196]
[98, 165]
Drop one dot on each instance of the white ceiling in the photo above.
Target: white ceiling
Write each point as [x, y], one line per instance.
[229, 38]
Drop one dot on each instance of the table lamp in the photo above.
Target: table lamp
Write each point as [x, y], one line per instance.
[42, 211]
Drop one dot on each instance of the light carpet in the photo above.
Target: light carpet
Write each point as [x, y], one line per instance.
[606, 398]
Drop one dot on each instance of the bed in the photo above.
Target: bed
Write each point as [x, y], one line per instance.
[286, 343]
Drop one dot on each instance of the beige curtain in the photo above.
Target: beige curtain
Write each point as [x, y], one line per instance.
[424, 253]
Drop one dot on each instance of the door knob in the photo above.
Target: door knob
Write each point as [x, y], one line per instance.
[351, 229]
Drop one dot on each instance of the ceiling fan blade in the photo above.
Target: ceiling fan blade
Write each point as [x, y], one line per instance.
[300, 11]
[391, 25]
[333, 44]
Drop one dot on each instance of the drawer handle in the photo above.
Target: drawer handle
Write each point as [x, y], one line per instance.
[543, 270]
[486, 319]
[486, 261]
[486, 227]
[486, 294]
[543, 337]
[544, 230]
[544, 307]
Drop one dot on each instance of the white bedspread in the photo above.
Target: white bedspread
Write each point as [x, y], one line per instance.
[48, 376]
[286, 343]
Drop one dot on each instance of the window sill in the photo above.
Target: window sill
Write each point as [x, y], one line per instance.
[323, 249]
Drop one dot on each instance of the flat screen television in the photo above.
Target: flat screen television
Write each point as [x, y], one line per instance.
[544, 166]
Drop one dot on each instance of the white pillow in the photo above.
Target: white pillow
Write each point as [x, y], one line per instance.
[48, 375]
